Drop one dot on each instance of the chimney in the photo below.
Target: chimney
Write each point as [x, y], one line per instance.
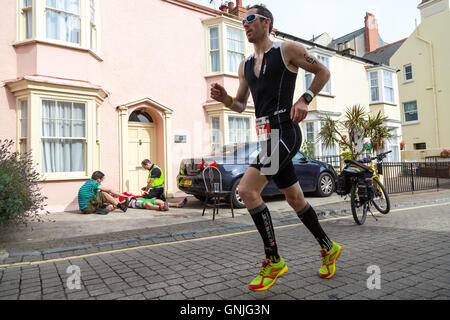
[238, 10]
[223, 7]
[371, 32]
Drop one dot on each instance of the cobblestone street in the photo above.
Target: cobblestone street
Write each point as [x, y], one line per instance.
[409, 247]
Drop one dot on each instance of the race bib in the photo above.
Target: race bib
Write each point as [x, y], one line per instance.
[263, 128]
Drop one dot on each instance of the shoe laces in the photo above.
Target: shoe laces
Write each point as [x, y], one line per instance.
[265, 264]
[323, 253]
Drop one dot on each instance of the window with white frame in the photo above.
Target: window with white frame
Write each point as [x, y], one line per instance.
[93, 25]
[238, 129]
[310, 134]
[216, 134]
[226, 46]
[408, 72]
[63, 136]
[394, 146]
[374, 87]
[23, 126]
[214, 49]
[74, 23]
[309, 77]
[410, 112]
[326, 62]
[63, 20]
[27, 18]
[235, 49]
[388, 87]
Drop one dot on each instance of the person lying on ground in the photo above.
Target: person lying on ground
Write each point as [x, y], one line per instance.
[139, 202]
[95, 198]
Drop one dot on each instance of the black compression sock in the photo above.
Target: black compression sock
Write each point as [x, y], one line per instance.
[309, 218]
[263, 221]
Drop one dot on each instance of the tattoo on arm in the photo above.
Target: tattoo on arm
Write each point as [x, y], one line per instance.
[310, 59]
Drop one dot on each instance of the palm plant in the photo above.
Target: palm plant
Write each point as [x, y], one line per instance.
[357, 125]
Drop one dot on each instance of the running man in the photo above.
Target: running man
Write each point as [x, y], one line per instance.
[270, 74]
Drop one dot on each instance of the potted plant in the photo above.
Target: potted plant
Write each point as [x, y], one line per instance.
[445, 153]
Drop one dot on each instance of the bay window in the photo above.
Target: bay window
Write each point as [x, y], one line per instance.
[72, 23]
[59, 125]
[226, 46]
[381, 85]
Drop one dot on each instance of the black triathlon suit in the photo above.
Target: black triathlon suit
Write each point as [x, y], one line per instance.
[273, 93]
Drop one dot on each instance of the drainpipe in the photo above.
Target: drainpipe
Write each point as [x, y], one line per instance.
[433, 76]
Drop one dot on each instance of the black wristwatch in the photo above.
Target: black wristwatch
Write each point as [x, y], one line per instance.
[308, 97]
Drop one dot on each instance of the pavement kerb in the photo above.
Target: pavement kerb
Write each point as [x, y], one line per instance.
[320, 213]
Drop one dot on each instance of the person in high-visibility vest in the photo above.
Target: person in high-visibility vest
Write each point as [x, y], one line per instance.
[155, 181]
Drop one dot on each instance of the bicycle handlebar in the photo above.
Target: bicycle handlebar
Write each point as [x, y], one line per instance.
[380, 157]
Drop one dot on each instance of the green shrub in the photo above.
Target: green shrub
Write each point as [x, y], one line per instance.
[20, 196]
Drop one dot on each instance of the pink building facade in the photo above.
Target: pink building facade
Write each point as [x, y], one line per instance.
[101, 85]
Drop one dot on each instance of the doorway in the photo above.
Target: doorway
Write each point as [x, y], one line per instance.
[141, 145]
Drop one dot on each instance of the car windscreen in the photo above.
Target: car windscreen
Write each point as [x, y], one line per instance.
[237, 149]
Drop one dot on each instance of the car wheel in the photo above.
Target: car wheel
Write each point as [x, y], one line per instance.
[325, 185]
[235, 197]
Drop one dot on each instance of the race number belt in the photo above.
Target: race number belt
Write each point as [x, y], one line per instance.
[263, 128]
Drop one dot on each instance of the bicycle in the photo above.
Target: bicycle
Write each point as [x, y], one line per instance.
[363, 183]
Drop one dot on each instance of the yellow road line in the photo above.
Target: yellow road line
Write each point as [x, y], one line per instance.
[31, 263]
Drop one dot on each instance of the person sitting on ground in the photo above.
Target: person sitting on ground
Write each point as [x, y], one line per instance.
[95, 198]
[139, 202]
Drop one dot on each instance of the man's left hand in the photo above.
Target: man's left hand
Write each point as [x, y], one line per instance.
[299, 111]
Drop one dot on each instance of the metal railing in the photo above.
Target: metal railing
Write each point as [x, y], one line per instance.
[336, 161]
[414, 176]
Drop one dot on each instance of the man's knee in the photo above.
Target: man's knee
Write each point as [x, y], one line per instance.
[246, 193]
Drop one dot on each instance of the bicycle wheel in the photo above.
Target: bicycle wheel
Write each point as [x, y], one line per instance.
[381, 198]
[359, 209]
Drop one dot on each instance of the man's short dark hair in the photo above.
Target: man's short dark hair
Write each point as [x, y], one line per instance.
[145, 162]
[262, 10]
[97, 175]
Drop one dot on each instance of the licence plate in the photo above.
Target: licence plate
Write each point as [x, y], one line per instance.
[186, 182]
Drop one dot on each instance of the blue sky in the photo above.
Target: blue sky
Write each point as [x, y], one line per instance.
[396, 18]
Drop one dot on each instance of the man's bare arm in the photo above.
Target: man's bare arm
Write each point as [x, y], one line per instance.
[297, 56]
[239, 103]
[112, 191]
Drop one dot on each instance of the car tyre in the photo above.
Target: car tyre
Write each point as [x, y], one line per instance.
[325, 185]
[235, 198]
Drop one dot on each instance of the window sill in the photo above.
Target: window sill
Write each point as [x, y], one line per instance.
[408, 81]
[410, 123]
[58, 44]
[326, 95]
[388, 103]
[216, 74]
[63, 176]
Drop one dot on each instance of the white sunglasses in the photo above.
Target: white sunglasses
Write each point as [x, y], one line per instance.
[252, 17]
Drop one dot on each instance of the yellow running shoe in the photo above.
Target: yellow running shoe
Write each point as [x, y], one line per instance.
[268, 274]
[328, 260]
